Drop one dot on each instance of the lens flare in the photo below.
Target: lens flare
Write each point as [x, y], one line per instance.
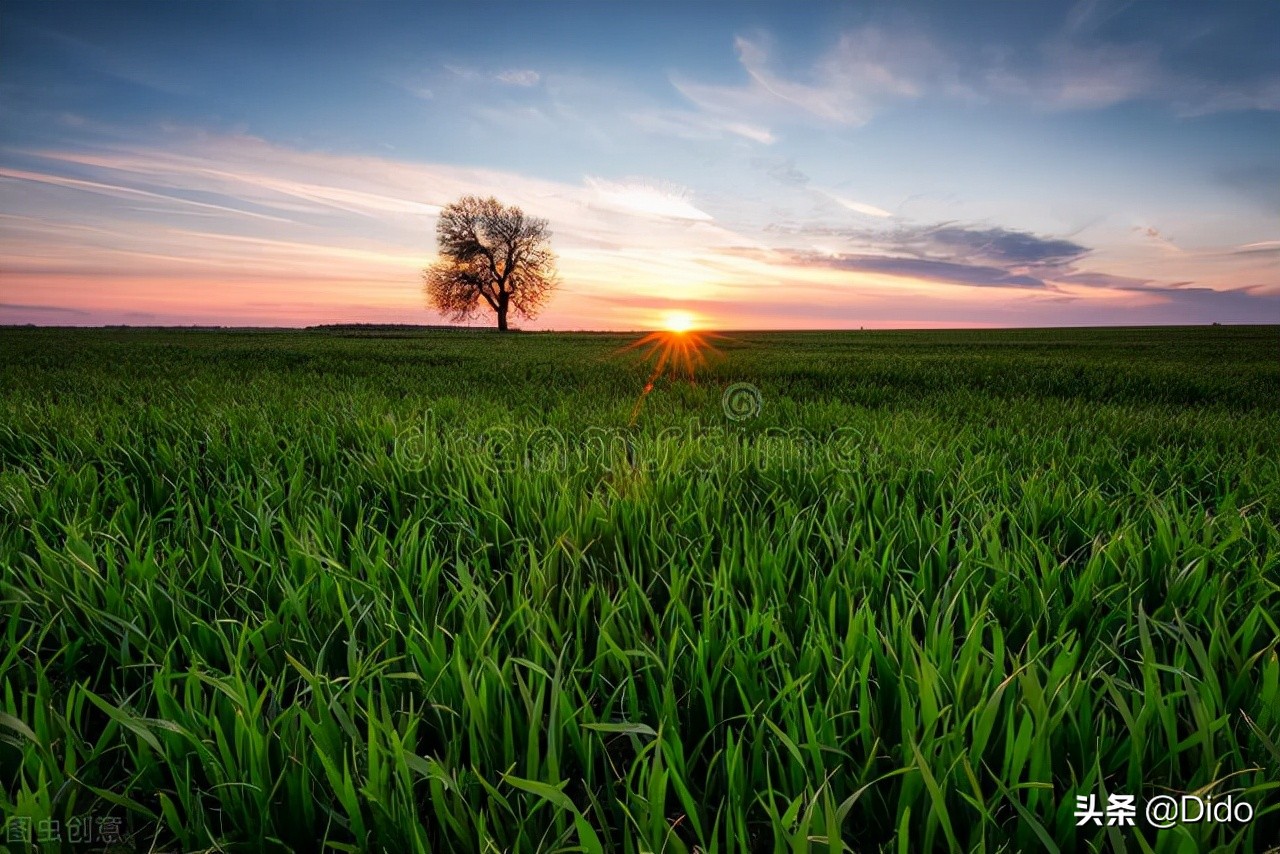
[677, 351]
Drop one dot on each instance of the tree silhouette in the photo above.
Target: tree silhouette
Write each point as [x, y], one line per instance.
[493, 254]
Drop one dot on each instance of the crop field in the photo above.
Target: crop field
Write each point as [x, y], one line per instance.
[459, 591]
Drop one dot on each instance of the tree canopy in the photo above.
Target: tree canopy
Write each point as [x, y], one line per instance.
[490, 254]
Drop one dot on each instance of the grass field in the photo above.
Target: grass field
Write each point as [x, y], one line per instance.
[437, 592]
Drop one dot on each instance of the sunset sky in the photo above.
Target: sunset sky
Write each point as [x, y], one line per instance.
[756, 166]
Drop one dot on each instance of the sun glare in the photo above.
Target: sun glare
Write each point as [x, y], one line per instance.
[678, 321]
[677, 351]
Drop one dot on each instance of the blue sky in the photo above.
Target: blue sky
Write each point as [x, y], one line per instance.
[756, 165]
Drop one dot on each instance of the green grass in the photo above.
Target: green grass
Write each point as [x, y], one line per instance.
[304, 591]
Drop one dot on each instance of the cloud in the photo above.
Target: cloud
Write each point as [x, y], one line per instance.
[243, 176]
[953, 242]
[119, 190]
[1264, 247]
[1155, 236]
[1086, 66]
[463, 73]
[646, 199]
[1086, 16]
[524, 77]
[126, 65]
[1075, 76]
[43, 309]
[962, 254]
[518, 77]
[1103, 280]
[1192, 97]
[784, 171]
[864, 69]
[1003, 245]
[985, 256]
[179, 171]
[694, 125]
[871, 67]
[945, 272]
[856, 207]
[752, 132]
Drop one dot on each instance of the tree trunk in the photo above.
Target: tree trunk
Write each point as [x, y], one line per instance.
[502, 316]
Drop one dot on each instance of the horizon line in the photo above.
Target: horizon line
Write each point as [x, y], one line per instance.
[212, 327]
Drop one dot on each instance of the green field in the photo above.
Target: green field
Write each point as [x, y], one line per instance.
[442, 592]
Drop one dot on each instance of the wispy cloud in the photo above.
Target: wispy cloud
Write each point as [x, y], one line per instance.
[128, 66]
[984, 256]
[1264, 247]
[697, 125]
[998, 244]
[110, 189]
[1080, 67]
[855, 206]
[950, 241]
[864, 69]
[518, 77]
[871, 67]
[1157, 238]
[523, 77]
[1074, 76]
[40, 309]
[943, 272]
[646, 199]
[782, 169]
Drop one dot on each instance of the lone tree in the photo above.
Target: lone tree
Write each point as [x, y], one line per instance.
[490, 252]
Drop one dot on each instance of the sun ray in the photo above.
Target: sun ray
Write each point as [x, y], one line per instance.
[677, 350]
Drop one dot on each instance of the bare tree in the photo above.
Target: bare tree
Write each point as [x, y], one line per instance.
[490, 253]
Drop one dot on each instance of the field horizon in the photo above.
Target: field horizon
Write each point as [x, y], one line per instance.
[640, 330]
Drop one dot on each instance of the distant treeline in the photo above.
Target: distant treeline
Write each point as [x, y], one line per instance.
[390, 330]
[388, 327]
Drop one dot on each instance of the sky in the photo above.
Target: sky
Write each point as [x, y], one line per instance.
[791, 165]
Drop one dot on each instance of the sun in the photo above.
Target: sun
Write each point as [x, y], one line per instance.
[677, 321]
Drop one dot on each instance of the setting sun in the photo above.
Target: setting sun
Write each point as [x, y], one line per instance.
[678, 321]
